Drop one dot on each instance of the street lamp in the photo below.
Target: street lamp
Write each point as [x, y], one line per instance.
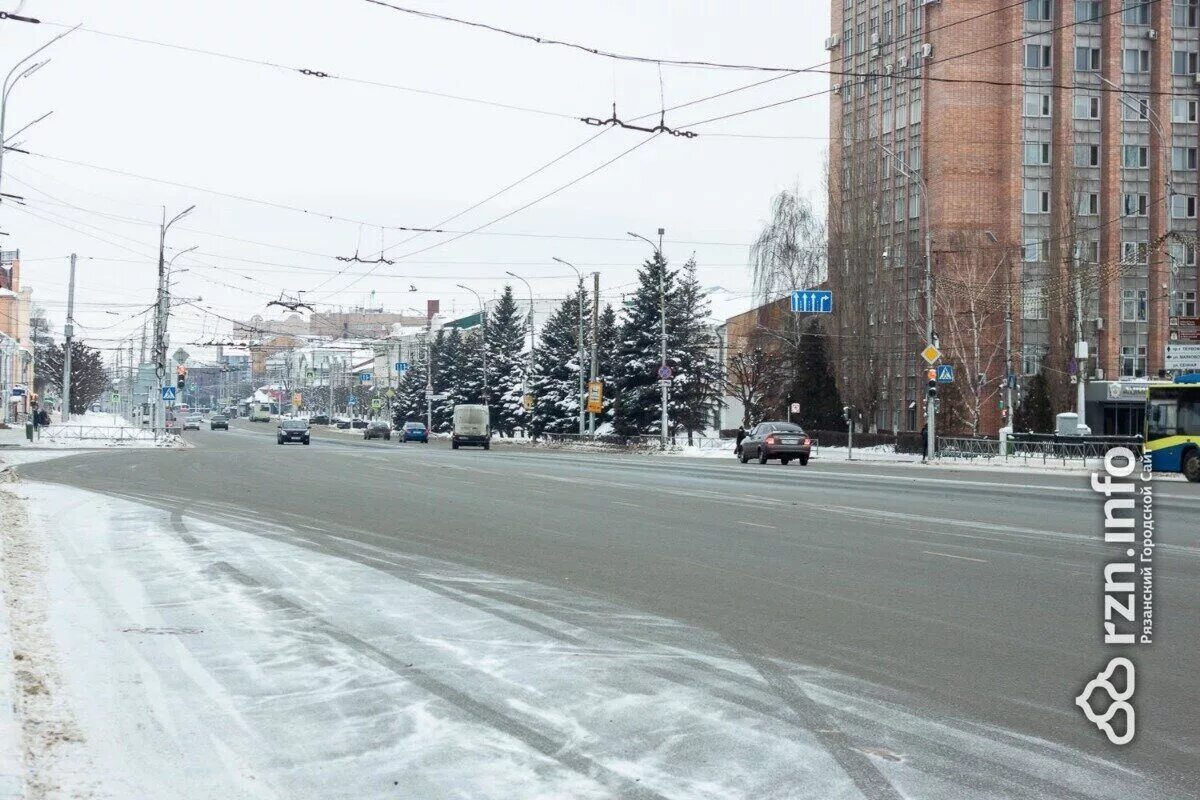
[663, 382]
[10, 82]
[482, 339]
[582, 391]
[164, 306]
[904, 170]
[529, 370]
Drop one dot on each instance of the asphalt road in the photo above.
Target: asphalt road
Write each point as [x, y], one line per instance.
[974, 595]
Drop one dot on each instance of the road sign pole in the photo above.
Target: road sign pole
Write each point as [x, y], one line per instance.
[68, 335]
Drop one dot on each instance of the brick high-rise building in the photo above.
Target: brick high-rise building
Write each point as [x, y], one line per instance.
[1057, 143]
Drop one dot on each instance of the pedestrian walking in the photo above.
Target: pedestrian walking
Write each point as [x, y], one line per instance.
[37, 422]
[924, 442]
[741, 434]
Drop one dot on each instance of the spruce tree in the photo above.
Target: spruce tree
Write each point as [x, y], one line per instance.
[555, 380]
[813, 386]
[639, 355]
[447, 372]
[1034, 412]
[508, 334]
[608, 355]
[409, 403]
[695, 391]
[471, 370]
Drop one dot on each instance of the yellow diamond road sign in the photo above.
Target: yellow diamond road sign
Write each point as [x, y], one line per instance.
[931, 354]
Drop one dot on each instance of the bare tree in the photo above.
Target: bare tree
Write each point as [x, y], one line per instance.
[867, 308]
[789, 252]
[970, 308]
[755, 377]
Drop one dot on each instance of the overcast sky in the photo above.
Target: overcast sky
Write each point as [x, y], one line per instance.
[385, 156]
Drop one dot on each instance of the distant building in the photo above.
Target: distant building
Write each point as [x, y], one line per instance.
[16, 343]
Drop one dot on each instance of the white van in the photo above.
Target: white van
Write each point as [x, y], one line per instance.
[472, 425]
[260, 412]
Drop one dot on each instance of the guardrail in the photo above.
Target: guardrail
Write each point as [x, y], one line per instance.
[64, 434]
[1035, 451]
[638, 442]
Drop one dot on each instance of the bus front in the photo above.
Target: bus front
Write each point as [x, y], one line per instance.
[1173, 426]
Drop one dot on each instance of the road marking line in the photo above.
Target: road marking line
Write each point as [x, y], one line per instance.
[756, 525]
[623, 503]
[947, 555]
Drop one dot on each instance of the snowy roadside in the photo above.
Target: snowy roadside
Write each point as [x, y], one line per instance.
[207, 654]
[89, 432]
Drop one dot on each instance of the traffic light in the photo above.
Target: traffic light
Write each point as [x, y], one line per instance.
[931, 387]
[180, 378]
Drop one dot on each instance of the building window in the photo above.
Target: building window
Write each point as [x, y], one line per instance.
[1134, 252]
[1037, 104]
[1133, 305]
[1031, 251]
[914, 157]
[1089, 204]
[1133, 362]
[1087, 107]
[914, 114]
[1135, 156]
[1087, 155]
[1183, 158]
[1184, 15]
[1087, 59]
[1037, 56]
[1033, 303]
[1185, 304]
[1087, 10]
[1037, 153]
[1089, 252]
[1183, 62]
[1036, 202]
[1183, 254]
[1134, 205]
[1136, 12]
[1183, 207]
[1135, 108]
[1183, 110]
[1135, 60]
[887, 25]
[916, 14]
[1037, 10]
[1031, 358]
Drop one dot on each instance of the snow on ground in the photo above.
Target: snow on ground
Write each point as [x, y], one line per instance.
[93, 431]
[214, 655]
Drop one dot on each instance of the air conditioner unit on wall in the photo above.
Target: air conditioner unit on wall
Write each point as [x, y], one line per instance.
[926, 50]
[902, 62]
[1152, 34]
[887, 69]
[1099, 323]
[832, 41]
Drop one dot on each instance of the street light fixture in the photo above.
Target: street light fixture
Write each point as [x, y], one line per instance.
[663, 383]
[482, 340]
[529, 369]
[582, 390]
[10, 82]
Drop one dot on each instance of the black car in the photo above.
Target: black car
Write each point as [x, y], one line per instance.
[218, 421]
[292, 430]
[318, 419]
[358, 423]
[781, 440]
[378, 429]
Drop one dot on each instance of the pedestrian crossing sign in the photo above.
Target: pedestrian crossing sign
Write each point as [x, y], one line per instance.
[945, 373]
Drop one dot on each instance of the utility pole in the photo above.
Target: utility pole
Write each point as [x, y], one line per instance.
[1008, 365]
[665, 384]
[68, 336]
[160, 320]
[595, 372]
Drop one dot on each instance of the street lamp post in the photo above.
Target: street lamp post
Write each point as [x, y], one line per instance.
[10, 82]
[663, 383]
[579, 343]
[160, 321]
[482, 340]
[904, 170]
[529, 369]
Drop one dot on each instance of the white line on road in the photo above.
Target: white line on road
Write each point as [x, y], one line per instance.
[623, 503]
[756, 525]
[947, 555]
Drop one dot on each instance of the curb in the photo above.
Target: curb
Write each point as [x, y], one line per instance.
[12, 772]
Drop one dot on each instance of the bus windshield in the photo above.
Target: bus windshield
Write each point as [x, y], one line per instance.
[1172, 411]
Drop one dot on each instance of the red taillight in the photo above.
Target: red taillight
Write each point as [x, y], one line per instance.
[770, 440]
[807, 442]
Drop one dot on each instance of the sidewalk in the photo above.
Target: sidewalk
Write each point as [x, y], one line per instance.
[12, 782]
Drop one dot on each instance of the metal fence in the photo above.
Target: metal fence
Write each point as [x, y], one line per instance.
[1050, 450]
[65, 434]
[638, 443]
